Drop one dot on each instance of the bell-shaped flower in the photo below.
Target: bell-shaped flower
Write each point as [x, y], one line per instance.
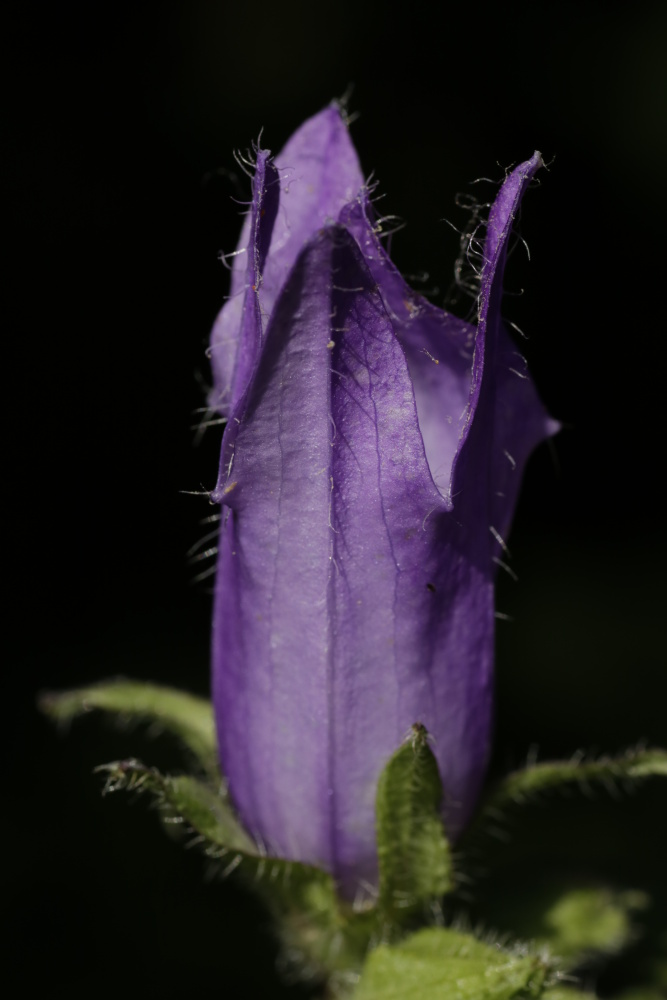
[370, 466]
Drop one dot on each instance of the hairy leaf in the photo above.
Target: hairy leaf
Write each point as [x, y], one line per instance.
[439, 963]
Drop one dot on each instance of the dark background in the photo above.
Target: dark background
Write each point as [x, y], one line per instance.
[120, 124]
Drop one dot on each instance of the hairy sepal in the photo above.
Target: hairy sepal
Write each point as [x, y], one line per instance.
[414, 857]
[180, 714]
[532, 783]
[323, 937]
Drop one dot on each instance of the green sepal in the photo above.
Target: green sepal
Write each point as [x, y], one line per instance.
[529, 783]
[438, 963]
[183, 799]
[323, 936]
[183, 715]
[413, 852]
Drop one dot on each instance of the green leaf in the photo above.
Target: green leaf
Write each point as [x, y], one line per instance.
[573, 923]
[445, 964]
[530, 782]
[183, 715]
[589, 920]
[413, 851]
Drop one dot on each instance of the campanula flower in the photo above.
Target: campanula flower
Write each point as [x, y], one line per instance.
[370, 466]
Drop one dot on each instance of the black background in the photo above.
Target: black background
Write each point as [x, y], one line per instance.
[120, 124]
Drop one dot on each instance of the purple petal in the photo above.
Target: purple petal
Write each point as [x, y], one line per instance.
[314, 176]
[371, 464]
[346, 606]
[520, 424]
[237, 333]
[505, 418]
[438, 347]
[439, 351]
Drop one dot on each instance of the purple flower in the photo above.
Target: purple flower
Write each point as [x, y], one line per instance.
[369, 470]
